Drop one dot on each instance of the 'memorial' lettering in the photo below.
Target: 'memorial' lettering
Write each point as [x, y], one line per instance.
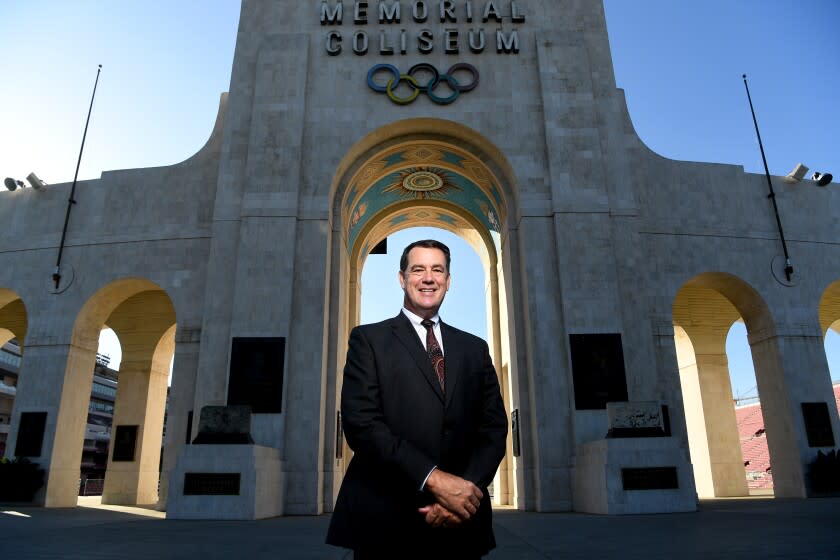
[331, 17]
[389, 12]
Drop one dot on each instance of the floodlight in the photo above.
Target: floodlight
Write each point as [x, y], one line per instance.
[12, 184]
[822, 179]
[797, 174]
[35, 181]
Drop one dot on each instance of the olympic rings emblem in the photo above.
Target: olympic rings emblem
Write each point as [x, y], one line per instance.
[428, 88]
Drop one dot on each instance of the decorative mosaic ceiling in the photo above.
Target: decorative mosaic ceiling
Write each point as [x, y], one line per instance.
[444, 182]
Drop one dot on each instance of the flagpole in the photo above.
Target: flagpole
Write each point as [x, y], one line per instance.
[772, 195]
[71, 201]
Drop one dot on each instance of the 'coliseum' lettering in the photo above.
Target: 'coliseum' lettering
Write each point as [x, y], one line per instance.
[389, 12]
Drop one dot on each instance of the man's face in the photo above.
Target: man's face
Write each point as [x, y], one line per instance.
[424, 281]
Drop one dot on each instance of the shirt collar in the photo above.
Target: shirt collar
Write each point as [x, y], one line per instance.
[416, 320]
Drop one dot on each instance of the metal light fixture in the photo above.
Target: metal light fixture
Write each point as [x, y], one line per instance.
[35, 181]
[797, 174]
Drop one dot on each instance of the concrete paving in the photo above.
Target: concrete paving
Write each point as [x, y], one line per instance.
[731, 529]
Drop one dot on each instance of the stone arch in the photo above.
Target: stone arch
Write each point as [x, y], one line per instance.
[13, 318]
[704, 309]
[13, 325]
[421, 172]
[829, 308]
[143, 318]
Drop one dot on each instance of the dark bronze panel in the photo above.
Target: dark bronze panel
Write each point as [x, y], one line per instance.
[125, 441]
[30, 436]
[650, 478]
[256, 373]
[597, 370]
[817, 424]
[211, 484]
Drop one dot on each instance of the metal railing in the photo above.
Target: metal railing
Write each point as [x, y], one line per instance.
[92, 487]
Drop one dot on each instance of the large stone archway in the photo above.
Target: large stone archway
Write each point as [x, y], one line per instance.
[13, 319]
[143, 317]
[704, 310]
[13, 325]
[422, 172]
[829, 310]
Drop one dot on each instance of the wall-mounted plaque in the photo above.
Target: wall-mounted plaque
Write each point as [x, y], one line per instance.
[514, 431]
[635, 419]
[256, 373]
[597, 370]
[650, 478]
[125, 440]
[817, 424]
[30, 436]
[224, 425]
[211, 484]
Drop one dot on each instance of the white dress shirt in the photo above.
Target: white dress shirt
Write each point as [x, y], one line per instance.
[416, 322]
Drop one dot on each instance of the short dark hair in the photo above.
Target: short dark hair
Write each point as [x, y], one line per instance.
[426, 244]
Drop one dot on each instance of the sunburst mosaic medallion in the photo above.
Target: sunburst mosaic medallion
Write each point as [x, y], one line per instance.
[422, 183]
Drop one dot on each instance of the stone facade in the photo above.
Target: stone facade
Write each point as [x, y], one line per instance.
[263, 233]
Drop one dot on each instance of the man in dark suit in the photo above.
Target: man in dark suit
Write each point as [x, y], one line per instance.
[422, 410]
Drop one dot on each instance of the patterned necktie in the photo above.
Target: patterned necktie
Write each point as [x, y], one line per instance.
[434, 351]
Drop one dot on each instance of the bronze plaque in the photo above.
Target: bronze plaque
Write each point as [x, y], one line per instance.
[256, 373]
[817, 424]
[125, 440]
[650, 478]
[30, 436]
[211, 484]
[597, 370]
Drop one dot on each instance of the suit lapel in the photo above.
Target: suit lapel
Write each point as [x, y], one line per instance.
[453, 357]
[407, 336]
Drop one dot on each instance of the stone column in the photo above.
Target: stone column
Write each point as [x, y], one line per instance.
[545, 415]
[141, 402]
[181, 395]
[725, 458]
[791, 368]
[306, 381]
[56, 378]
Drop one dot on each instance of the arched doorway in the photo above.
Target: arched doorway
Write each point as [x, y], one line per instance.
[829, 312]
[143, 318]
[13, 325]
[421, 172]
[829, 315]
[704, 309]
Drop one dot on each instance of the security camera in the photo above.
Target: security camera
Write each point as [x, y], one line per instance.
[822, 179]
[12, 184]
[35, 181]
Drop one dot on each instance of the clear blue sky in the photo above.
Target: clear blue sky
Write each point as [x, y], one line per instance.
[165, 63]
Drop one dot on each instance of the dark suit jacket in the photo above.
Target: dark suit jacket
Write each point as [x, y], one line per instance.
[400, 424]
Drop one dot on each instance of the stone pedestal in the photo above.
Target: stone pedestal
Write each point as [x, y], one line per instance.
[633, 475]
[208, 474]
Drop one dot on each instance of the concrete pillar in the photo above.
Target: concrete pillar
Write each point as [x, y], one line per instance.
[725, 458]
[181, 395]
[56, 379]
[791, 368]
[306, 377]
[547, 412]
[145, 325]
[141, 402]
[694, 419]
